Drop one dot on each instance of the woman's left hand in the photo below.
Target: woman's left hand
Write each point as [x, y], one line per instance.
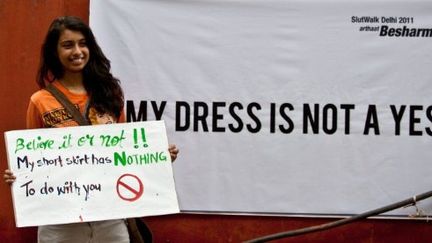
[173, 150]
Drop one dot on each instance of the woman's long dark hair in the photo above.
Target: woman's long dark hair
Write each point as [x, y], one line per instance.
[104, 90]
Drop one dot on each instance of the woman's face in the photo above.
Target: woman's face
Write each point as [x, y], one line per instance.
[72, 51]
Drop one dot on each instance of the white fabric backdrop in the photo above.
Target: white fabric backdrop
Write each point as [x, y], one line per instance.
[252, 54]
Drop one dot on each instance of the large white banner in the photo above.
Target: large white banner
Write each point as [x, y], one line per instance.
[281, 107]
[91, 173]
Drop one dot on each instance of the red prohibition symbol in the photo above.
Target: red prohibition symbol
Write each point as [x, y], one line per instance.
[129, 187]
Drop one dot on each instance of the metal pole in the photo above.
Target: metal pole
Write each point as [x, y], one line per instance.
[406, 202]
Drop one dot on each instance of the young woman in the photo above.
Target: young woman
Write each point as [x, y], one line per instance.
[72, 61]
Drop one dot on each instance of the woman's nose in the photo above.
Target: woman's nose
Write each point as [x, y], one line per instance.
[77, 50]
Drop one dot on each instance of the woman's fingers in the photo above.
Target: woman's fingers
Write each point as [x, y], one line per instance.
[173, 150]
[8, 176]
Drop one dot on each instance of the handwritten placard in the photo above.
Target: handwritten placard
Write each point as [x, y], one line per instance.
[91, 173]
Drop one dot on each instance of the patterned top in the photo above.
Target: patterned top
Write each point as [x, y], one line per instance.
[45, 111]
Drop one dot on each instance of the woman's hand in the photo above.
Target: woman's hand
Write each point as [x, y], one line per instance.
[173, 150]
[9, 177]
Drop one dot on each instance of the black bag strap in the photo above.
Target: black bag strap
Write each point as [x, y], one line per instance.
[76, 114]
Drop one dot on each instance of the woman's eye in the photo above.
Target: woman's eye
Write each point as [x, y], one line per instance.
[67, 45]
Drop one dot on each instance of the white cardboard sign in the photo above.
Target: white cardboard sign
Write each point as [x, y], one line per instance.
[91, 173]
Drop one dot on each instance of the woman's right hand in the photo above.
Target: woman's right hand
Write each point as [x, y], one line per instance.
[9, 177]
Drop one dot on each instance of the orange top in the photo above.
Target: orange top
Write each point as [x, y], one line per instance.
[45, 111]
